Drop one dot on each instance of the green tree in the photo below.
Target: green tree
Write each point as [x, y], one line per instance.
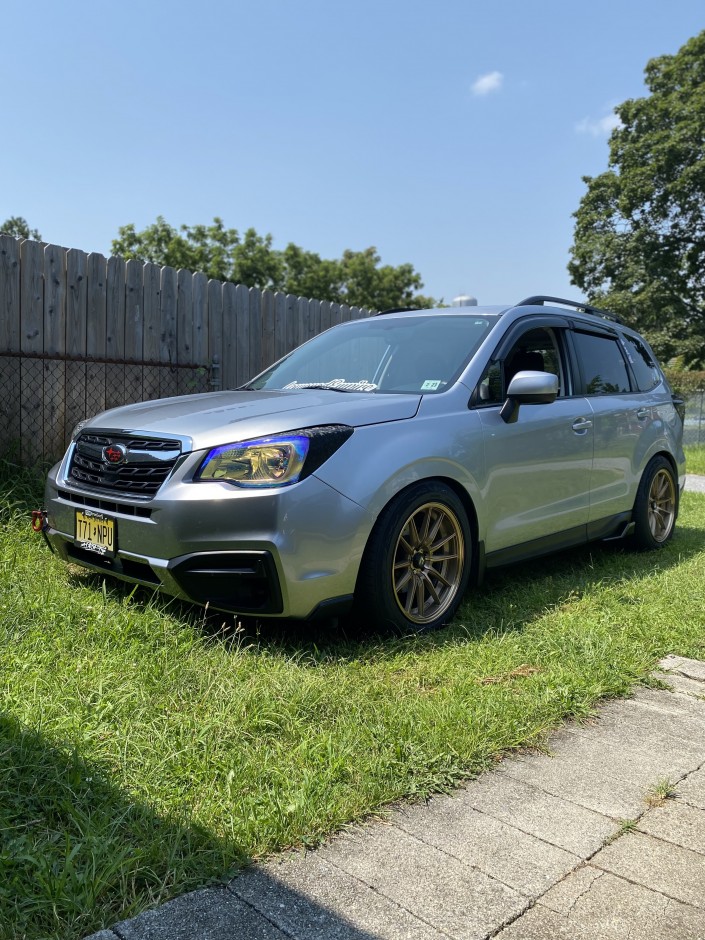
[18, 227]
[358, 278]
[639, 244]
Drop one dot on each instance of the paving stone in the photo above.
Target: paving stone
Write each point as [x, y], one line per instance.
[682, 684]
[610, 909]
[520, 860]
[631, 761]
[692, 668]
[209, 914]
[583, 783]
[636, 721]
[532, 810]
[434, 886]
[692, 789]
[678, 823]
[310, 899]
[563, 896]
[676, 872]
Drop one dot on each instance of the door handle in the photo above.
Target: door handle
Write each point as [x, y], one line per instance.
[581, 425]
[642, 414]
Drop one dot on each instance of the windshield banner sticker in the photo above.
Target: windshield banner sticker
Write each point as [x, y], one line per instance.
[362, 386]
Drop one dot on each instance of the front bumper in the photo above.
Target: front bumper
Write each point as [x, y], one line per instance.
[287, 552]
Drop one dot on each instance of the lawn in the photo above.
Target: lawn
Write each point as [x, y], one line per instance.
[695, 458]
[147, 747]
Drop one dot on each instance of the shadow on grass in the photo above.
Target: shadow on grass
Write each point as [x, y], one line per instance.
[75, 852]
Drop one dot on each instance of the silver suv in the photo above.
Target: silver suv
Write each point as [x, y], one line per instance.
[382, 466]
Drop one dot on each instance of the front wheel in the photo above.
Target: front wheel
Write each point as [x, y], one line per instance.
[656, 505]
[417, 562]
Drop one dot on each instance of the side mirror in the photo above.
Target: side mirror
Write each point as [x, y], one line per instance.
[528, 388]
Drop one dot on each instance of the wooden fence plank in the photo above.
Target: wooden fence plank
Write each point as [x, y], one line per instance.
[301, 320]
[32, 297]
[96, 332]
[292, 306]
[10, 388]
[9, 294]
[133, 330]
[229, 348]
[168, 353]
[267, 320]
[255, 318]
[32, 341]
[199, 320]
[335, 314]
[115, 332]
[344, 313]
[151, 299]
[314, 319]
[184, 327]
[76, 340]
[215, 332]
[54, 344]
[325, 316]
[280, 347]
[242, 335]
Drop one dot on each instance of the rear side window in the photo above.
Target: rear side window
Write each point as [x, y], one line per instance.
[602, 364]
[645, 370]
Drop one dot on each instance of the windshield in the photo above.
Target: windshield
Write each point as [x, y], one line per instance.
[379, 354]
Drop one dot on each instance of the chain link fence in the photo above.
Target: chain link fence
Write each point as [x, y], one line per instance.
[694, 432]
[42, 398]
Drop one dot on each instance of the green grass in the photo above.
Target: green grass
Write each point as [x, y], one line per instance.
[695, 458]
[147, 747]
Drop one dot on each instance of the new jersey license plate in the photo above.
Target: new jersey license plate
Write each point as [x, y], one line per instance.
[96, 532]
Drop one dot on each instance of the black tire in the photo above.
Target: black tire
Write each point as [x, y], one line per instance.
[656, 505]
[416, 565]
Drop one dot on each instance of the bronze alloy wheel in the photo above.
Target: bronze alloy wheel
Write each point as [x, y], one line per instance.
[428, 562]
[662, 505]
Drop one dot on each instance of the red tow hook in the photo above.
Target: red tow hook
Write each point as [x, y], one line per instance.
[40, 523]
[39, 520]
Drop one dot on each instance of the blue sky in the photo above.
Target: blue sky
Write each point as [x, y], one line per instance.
[452, 135]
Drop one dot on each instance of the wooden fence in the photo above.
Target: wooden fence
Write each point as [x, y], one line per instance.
[81, 332]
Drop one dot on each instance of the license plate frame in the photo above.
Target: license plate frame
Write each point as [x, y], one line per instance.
[95, 532]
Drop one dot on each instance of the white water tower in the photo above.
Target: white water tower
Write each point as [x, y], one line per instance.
[464, 300]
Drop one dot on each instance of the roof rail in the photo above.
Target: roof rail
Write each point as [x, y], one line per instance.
[540, 299]
[380, 313]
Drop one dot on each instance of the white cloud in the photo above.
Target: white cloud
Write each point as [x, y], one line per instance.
[486, 84]
[599, 127]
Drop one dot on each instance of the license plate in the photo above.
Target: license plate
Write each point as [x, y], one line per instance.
[96, 532]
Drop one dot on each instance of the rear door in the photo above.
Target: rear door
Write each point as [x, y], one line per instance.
[620, 420]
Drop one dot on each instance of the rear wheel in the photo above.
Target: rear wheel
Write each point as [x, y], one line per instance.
[417, 562]
[656, 505]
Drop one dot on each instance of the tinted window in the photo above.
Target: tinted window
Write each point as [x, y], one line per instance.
[602, 364]
[645, 369]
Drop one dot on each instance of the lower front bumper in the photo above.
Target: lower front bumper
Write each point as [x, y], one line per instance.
[288, 554]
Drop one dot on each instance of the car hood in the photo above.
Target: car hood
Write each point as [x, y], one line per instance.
[214, 418]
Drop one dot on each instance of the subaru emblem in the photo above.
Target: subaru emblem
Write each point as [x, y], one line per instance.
[114, 454]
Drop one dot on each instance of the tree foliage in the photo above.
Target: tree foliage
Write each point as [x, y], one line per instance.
[358, 278]
[639, 244]
[18, 227]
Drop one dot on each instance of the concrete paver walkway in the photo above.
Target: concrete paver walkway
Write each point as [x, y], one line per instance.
[602, 838]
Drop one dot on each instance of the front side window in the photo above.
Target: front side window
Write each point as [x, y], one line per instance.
[602, 364]
[536, 350]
